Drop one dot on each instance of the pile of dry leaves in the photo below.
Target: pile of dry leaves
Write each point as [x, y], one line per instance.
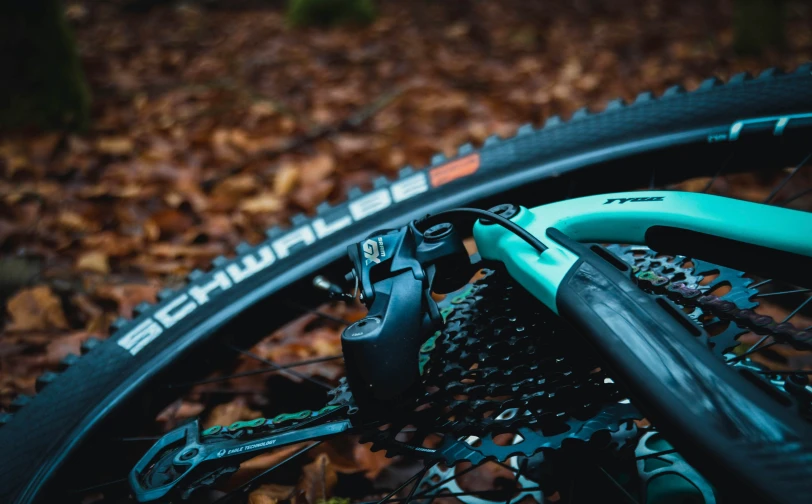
[212, 125]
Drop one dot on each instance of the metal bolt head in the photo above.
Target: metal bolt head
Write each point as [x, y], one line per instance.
[189, 454]
[506, 210]
[438, 231]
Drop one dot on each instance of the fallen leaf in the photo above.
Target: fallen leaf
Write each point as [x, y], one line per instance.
[228, 413]
[171, 221]
[72, 221]
[36, 309]
[128, 296]
[318, 479]
[93, 261]
[270, 459]
[372, 463]
[115, 146]
[308, 196]
[270, 494]
[316, 169]
[266, 202]
[285, 179]
[58, 348]
[236, 186]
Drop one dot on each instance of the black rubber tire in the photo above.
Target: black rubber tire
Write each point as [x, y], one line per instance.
[38, 437]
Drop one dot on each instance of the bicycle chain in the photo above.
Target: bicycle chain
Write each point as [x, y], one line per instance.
[498, 353]
[741, 320]
[553, 382]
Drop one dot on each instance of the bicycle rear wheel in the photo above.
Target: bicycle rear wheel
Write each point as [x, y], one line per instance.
[765, 121]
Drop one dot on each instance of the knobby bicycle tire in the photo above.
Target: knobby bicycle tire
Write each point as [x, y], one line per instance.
[170, 337]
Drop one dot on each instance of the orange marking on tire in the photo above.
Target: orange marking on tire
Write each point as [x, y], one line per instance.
[452, 171]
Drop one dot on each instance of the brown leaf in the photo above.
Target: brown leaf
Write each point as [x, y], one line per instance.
[189, 409]
[72, 221]
[176, 250]
[93, 260]
[228, 413]
[316, 169]
[36, 309]
[113, 244]
[64, 345]
[127, 295]
[236, 186]
[318, 479]
[265, 202]
[311, 195]
[372, 463]
[270, 459]
[285, 179]
[270, 494]
[115, 146]
[171, 222]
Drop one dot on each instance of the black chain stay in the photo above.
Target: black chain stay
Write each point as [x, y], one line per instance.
[691, 272]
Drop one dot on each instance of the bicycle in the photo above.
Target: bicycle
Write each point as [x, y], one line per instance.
[474, 367]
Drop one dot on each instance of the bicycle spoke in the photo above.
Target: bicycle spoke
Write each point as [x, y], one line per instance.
[509, 468]
[317, 313]
[796, 196]
[437, 485]
[751, 350]
[99, 486]
[787, 178]
[796, 310]
[394, 492]
[763, 282]
[571, 188]
[138, 438]
[252, 372]
[416, 484]
[571, 495]
[782, 293]
[245, 487]
[625, 492]
[263, 360]
[518, 473]
[718, 173]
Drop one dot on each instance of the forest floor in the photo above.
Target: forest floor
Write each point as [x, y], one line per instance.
[211, 125]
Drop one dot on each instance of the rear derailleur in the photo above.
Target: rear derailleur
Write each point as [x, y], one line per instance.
[396, 272]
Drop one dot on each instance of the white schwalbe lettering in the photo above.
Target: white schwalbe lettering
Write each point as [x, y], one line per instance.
[224, 278]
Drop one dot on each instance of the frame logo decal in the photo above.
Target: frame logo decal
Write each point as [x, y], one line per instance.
[371, 252]
[450, 172]
[634, 200]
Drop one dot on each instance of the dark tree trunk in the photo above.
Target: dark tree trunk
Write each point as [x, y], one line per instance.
[44, 86]
[758, 25]
[329, 12]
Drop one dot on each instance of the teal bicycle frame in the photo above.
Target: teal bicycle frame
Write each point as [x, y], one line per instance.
[712, 413]
[625, 218]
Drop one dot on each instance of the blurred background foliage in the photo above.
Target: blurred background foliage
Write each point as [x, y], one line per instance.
[212, 121]
[48, 88]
